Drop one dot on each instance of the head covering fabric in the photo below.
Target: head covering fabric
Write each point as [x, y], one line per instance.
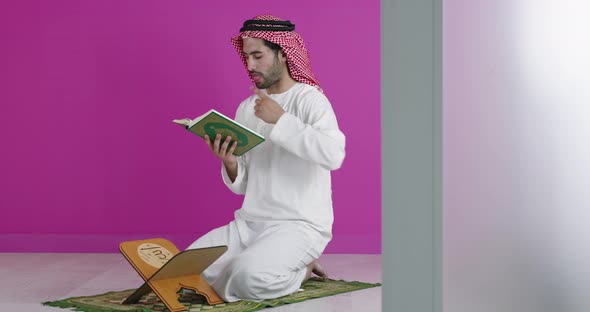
[291, 43]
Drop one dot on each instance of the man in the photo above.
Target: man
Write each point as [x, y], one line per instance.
[285, 221]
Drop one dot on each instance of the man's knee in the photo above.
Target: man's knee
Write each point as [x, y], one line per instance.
[252, 280]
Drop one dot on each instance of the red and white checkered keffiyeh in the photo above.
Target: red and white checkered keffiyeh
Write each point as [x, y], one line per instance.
[291, 43]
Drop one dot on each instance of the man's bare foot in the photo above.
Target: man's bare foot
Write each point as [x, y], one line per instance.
[316, 268]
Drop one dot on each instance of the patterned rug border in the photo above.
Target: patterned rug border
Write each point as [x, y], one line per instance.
[249, 306]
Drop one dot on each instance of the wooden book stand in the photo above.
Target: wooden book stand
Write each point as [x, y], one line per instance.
[165, 270]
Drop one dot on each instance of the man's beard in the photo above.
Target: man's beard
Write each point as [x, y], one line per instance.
[272, 78]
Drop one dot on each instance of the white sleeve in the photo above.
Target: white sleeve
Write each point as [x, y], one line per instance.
[241, 181]
[314, 136]
[239, 184]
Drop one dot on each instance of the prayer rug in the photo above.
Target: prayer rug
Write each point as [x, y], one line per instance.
[111, 301]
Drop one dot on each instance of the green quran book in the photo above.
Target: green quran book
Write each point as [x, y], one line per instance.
[213, 122]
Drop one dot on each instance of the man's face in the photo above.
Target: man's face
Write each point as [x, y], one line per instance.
[265, 67]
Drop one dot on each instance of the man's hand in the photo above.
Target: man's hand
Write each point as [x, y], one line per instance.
[224, 153]
[266, 108]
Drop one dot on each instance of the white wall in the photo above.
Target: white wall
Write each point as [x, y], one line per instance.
[516, 155]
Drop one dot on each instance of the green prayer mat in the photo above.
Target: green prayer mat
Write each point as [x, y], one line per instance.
[111, 301]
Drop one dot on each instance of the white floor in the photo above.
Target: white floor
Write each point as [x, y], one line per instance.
[31, 278]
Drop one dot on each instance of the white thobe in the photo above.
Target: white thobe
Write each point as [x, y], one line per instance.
[285, 221]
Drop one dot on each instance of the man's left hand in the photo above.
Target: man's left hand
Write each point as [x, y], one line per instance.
[266, 108]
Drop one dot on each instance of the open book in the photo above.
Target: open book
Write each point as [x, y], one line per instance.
[213, 122]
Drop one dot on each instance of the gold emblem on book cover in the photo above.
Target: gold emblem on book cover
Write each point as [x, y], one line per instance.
[213, 128]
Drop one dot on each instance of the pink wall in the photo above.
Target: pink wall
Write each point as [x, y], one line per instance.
[88, 89]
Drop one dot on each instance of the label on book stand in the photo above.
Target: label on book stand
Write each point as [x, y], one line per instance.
[166, 270]
[154, 254]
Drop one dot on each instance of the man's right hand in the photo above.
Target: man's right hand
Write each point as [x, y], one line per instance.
[226, 155]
